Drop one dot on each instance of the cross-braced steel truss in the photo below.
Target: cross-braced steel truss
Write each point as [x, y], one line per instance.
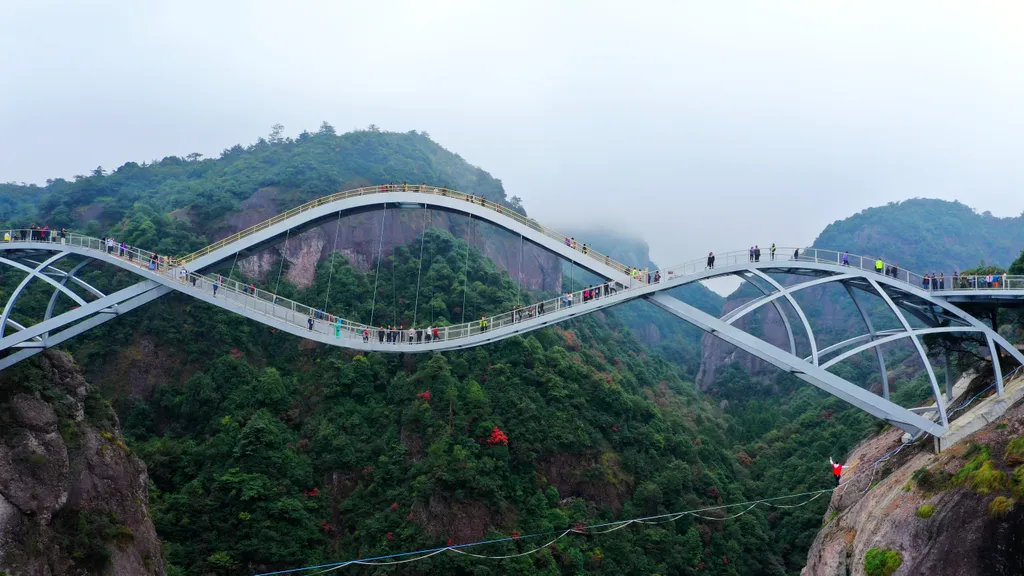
[38, 261]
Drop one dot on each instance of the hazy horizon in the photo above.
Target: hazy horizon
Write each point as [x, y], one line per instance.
[694, 126]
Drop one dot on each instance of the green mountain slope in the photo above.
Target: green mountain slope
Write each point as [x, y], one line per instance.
[267, 452]
[201, 192]
[926, 235]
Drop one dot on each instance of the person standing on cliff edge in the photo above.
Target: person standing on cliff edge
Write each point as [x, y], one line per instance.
[837, 469]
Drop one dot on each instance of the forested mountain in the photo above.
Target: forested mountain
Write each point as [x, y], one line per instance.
[926, 235]
[267, 452]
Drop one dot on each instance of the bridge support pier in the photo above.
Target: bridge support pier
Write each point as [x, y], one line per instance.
[983, 413]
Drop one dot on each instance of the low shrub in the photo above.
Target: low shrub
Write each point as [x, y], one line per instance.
[1015, 452]
[1000, 506]
[882, 562]
[925, 511]
[987, 479]
[929, 481]
[980, 473]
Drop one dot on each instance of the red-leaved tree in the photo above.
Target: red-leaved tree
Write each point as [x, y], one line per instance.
[497, 437]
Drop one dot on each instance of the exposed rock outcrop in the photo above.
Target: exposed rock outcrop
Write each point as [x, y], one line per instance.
[72, 496]
[359, 238]
[937, 523]
[717, 353]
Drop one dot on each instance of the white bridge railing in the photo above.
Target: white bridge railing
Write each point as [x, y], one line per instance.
[249, 297]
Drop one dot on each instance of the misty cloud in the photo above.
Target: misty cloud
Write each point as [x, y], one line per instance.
[699, 126]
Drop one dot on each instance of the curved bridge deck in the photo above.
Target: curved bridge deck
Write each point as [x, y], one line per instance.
[903, 291]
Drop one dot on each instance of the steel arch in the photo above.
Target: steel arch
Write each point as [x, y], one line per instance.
[290, 317]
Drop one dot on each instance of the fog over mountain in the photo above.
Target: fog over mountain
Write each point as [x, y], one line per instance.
[700, 126]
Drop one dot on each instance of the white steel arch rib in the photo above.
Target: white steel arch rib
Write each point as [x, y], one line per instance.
[872, 334]
[799, 311]
[291, 317]
[287, 321]
[738, 311]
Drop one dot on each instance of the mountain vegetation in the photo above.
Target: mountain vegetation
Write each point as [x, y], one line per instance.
[927, 235]
[267, 452]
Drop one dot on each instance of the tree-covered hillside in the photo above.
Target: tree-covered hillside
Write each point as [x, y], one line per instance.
[268, 452]
[264, 461]
[199, 192]
[925, 235]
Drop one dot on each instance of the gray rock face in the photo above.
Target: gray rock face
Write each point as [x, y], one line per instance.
[961, 538]
[57, 466]
[717, 353]
[359, 238]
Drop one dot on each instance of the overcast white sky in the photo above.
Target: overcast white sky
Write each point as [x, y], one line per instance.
[698, 125]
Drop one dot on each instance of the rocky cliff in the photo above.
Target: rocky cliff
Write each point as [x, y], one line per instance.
[717, 353]
[955, 513]
[73, 498]
[359, 238]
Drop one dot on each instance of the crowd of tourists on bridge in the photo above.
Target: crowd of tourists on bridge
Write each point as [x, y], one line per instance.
[931, 281]
[393, 334]
[36, 234]
[754, 255]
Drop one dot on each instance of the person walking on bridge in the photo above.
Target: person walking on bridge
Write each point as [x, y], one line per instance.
[711, 261]
[380, 334]
[757, 253]
[879, 265]
[837, 469]
[750, 255]
[846, 258]
[773, 251]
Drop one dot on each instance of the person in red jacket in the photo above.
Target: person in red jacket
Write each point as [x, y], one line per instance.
[837, 470]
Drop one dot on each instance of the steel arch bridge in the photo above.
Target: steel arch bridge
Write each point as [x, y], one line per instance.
[919, 312]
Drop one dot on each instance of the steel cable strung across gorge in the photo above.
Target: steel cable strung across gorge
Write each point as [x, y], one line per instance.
[419, 269]
[380, 254]
[390, 559]
[465, 275]
[587, 530]
[330, 275]
[284, 256]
